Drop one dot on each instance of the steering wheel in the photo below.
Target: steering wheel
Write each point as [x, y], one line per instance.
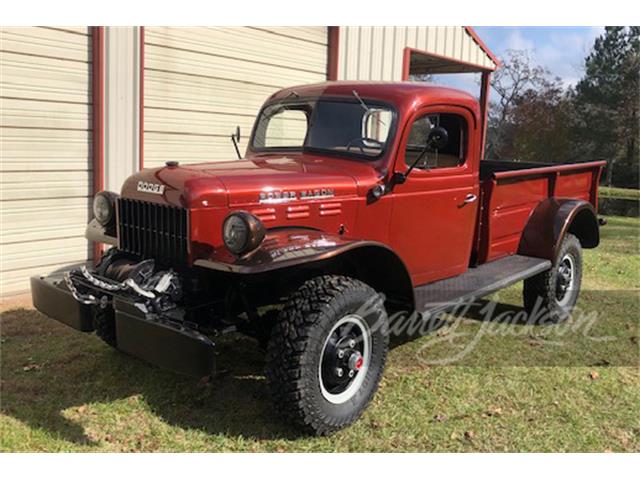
[363, 143]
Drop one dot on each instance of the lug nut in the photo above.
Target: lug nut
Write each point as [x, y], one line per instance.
[339, 372]
[352, 343]
[351, 373]
[340, 353]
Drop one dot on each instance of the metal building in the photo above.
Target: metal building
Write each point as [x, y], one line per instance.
[83, 108]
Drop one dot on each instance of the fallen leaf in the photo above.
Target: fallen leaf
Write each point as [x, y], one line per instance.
[494, 412]
[31, 366]
[82, 408]
[440, 418]
[594, 375]
[469, 435]
[377, 424]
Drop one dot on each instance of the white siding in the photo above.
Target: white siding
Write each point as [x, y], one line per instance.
[199, 83]
[45, 153]
[376, 53]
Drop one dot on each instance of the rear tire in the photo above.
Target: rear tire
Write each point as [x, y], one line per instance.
[327, 353]
[550, 296]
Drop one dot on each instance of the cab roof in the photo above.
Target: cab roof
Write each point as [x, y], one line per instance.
[403, 95]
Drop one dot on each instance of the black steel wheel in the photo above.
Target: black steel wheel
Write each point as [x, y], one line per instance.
[327, 353]
[550, 296]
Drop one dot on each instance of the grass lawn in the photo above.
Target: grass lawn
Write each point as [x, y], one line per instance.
[615, 192]
[519, 389]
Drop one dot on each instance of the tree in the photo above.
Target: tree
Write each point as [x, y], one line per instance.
[606, 105]
[510, 82]
[541, 124]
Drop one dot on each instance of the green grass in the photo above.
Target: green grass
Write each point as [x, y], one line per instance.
[518, 390]
[615, 192]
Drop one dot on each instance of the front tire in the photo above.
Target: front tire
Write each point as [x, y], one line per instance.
[104, 323]
[550, 296]
[327, 353]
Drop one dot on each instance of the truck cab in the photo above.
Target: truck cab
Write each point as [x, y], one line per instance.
[353, 203]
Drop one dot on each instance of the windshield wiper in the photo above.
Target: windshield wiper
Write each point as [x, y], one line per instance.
[366, 108]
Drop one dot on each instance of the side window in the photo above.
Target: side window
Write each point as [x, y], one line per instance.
[451, 155]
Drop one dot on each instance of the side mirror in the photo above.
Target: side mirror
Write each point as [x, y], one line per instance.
[438, 138]
[235, 139]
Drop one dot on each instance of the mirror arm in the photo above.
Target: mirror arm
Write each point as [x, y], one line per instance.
[235, 144]
[415, 162]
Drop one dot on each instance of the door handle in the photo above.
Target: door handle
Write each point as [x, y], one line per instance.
[470, 198]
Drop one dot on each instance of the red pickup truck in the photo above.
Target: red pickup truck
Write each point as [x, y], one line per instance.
[355, 201]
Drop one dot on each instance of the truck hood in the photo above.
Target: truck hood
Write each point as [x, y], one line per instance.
[238, 183]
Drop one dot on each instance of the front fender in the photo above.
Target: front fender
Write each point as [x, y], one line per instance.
[551, 220]
[372, 262]
[284, 248]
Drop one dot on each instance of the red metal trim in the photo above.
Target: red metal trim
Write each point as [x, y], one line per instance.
[483, 46]
[573, 167]
[141, 102]
[333, 54]
[97, 37]
[485, 89]
[406, 63]
[409, 50]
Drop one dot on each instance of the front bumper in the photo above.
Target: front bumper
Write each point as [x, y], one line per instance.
[151, 337]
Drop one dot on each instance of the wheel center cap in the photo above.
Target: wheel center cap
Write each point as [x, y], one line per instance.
[355, 361]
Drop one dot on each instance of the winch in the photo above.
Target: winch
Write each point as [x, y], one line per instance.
[153, 292]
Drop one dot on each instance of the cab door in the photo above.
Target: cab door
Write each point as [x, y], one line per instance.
[434, 211]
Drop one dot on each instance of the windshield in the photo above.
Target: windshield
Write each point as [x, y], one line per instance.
[345, 127]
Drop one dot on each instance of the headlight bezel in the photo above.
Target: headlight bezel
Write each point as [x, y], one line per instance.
[255, 232]
[110, 199]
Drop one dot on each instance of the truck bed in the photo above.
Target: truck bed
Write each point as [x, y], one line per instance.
[509, 191]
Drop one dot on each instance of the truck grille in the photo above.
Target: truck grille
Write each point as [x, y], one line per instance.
[152, 230]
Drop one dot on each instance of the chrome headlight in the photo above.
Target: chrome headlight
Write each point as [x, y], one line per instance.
[242, 232]
[104, 207]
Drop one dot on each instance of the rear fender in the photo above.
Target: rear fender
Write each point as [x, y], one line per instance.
[372, 262]
[551, 220]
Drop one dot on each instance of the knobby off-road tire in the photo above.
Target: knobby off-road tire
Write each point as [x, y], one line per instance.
[324, 315]
[550, 296]
[104, 323]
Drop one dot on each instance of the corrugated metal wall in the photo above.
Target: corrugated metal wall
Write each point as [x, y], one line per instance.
[376, 53]
[45, 137]
[202, 82]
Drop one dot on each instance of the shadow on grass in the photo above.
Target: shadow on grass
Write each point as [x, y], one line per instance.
[50, 371]
[485, 310]
[481, 311]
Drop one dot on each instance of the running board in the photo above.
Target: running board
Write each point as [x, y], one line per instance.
[476, 282]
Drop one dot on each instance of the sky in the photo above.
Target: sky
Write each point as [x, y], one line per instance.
[560, 49]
